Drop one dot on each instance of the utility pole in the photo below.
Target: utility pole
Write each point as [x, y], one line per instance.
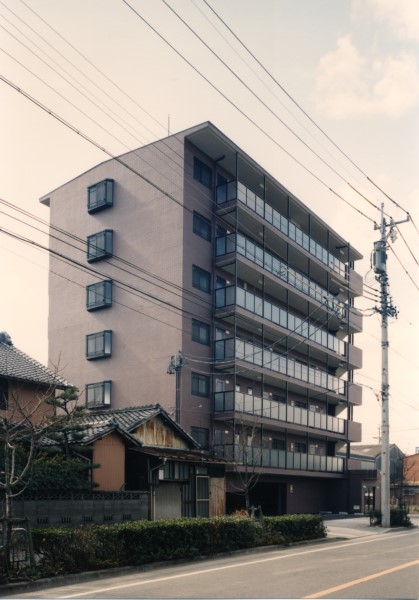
[175, 365]
[386, 310]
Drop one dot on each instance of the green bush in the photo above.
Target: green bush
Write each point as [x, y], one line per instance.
[59, 472]
[63, 550]
[294, 528]
[398, 517]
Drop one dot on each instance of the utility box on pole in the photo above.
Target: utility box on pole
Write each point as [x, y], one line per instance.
[379, 257]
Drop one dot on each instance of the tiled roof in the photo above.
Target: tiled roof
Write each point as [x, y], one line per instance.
[197, 456]
[371, 451]
[15, 364]
[366, 450]
[126, 420]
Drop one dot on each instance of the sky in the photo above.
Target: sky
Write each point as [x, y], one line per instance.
[324, 95]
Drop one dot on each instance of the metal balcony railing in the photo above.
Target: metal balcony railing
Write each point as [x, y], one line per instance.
[279, 459]
[237, 296]
[235, 190]
[235, 348]
[236, 242]
[231, 401]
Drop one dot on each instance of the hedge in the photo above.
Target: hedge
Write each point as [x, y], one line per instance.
[85, 548]
[398, 517]
[294, 528]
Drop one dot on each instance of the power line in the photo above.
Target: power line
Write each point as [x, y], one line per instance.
[94, 66]
[299, 138]
[168, 305]
[300, 107]
[129, 113]
[404, 269]
[194, 297]
[407, 245]
[246, 116]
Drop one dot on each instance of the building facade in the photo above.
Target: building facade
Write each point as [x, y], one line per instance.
[182, 273]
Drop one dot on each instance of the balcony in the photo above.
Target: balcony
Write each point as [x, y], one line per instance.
[354, 394]
[354, 356]
[237, 349]
[354, 431]
[237, 296]
[265, 407]
[238, 243]
[280, 459]
[354, 320]
[235, 190]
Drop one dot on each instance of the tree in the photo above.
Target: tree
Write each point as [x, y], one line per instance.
[410, 480]
[247, 460]
[32, 422]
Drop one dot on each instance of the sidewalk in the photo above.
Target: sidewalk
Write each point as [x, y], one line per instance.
[356, 527]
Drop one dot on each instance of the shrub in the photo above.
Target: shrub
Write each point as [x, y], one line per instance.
[294, 528]
[398, 517]
[63, 550]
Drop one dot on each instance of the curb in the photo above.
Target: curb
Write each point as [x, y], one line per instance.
[61, 580]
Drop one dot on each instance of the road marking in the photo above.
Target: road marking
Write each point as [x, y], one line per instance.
[362, 580]
[282, 556]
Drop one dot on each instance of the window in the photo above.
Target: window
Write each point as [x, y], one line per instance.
[220, 385]
[201, 279]
[220, 436]
[278, 398]
[201, 226]
[98, 394]
[200, 332]
[201, 435]
[221, 180]
[100, 195]
[202, 496]
[202, 173]
[100, 245]
[298, 447]
[99, 345]
[4, 394]
[99, 295]
[200, 385]
[278, 444]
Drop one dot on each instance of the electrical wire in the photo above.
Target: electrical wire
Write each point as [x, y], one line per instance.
[300, 107]
[245, 115]
[407, 245]
[70, 63]
[83, 266]
[404, 269]
[299, 138]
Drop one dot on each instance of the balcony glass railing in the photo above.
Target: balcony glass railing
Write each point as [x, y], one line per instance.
[271, 409]
[232, 296]
[280, 459]
[247, 248]
[234, 190]
[234, 348]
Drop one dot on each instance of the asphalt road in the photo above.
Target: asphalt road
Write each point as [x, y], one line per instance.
[369, 563]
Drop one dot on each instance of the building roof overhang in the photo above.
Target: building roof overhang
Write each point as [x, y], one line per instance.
[212, 142]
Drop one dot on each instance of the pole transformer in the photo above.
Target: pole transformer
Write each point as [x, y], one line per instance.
[386, 310]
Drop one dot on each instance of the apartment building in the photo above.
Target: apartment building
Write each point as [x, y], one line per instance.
[183, 274]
